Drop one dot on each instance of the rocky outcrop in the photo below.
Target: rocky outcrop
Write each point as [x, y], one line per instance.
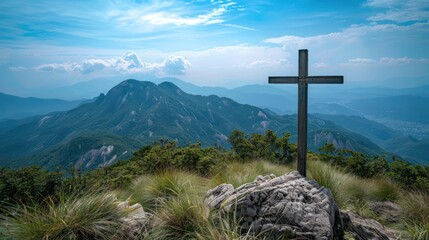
[137, 222]
[365, 228]
[285, 207]
[387, 211]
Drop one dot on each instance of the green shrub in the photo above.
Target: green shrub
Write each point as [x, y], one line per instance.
[268, 146]
[30, 184]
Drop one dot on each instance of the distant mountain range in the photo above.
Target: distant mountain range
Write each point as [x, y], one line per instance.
[413, 150]
[404, 110]
[134, 112]
[12, 107]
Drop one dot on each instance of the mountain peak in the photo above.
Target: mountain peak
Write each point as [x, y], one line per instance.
[169, 86]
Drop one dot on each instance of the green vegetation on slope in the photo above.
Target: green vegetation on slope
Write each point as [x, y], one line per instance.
[174, 192]
[143, 112]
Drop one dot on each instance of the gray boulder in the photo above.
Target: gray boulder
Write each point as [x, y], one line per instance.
[137, 222]
[366, 228]
[285, 207]
[387, 211]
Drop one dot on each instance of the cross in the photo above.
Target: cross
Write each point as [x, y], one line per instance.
[303, 80]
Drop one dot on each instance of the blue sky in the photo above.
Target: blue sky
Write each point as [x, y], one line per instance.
[47, 44]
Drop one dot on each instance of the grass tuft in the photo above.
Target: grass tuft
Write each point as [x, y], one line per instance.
[94, 216]
[330, 177]
[238, 173]
[385, 190]
[417, 231]
[179, 218]
[153, 190]
[416, 207]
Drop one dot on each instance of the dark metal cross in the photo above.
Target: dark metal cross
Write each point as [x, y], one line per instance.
[303, 80]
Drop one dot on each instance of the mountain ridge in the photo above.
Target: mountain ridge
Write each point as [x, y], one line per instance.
[145, 111]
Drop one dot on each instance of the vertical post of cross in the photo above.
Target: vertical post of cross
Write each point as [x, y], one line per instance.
[302, 111]
[303, 80]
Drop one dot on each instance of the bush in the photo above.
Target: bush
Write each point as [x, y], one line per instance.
[268, 146]
[27, 185]
[165, 155]
[402, 172]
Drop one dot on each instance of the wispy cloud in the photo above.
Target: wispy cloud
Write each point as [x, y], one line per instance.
[361, 61]
[165, 18]
[239, 26]
[348, 35]
[400, 10]
[321, 65]
[402, 60]
[126, 64]
[386, 61]
[17, 69]
[174, 14]
[266, 63]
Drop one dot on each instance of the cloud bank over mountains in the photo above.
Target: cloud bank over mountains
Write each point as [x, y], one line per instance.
[126, 64]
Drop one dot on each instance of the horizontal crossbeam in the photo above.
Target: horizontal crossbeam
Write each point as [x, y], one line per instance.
[310, 79]
[325, 79]
[282, 79]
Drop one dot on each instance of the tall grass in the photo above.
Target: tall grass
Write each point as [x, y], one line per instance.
[176, 199]
[181, 217]
[416, 206]
[385, 190]
[94, 216]
[152, 190]
[417, 231]
[350, 191]
[331, 178]
[238, 173]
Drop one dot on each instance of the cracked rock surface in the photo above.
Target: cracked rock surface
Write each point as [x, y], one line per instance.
[289, 206]
[137, 222]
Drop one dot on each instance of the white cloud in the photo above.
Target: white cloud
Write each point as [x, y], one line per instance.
[167, 13]
[175, 65]
[402, 60]
[166, 18]
[55, 67]
[128, 63]
[386, 61]
[321, 65]
[17, 69]
[400, 10]
[361, 61]
[348, 36]
[266, 63]
[239, 26]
